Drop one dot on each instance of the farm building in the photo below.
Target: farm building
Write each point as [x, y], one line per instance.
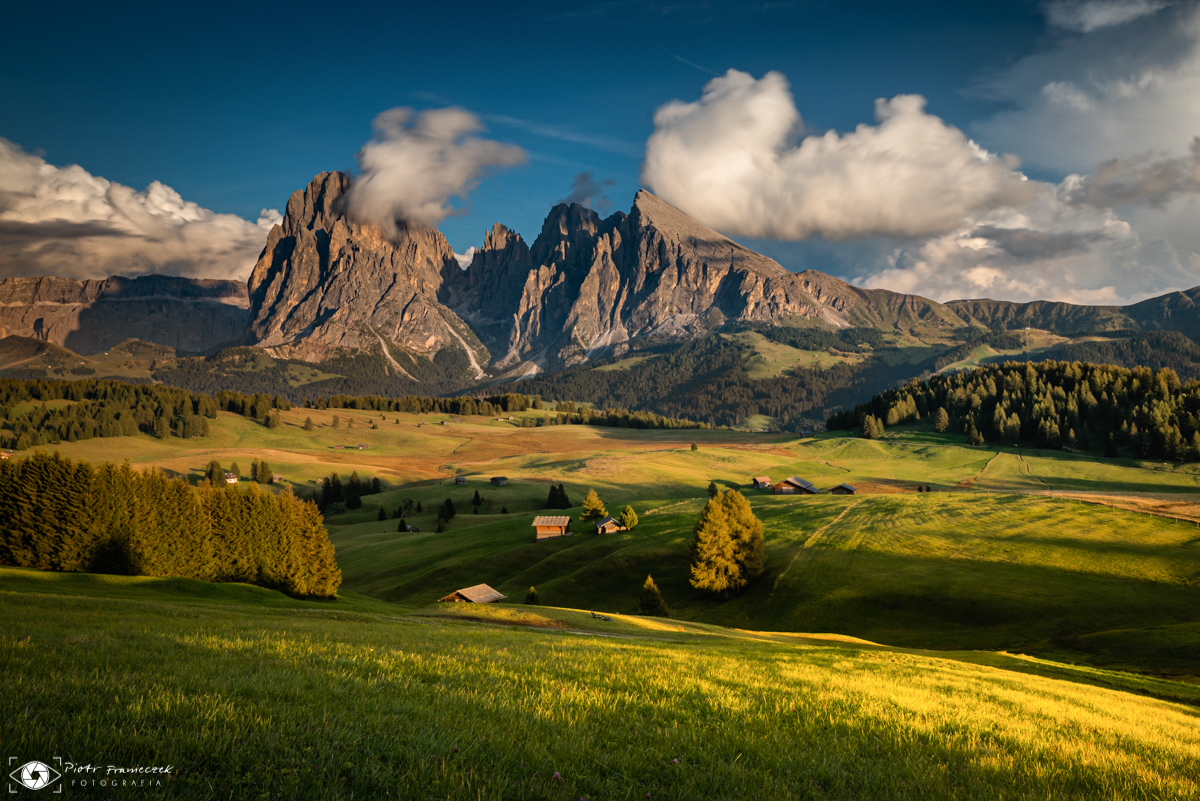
[843, 489]
[276, 478]
[479, 594]
[795, 486]
[761, 482]
[608, 525]
[231, 478]
[548, 526]
[5, 454]
[499, 481]
[460, 480]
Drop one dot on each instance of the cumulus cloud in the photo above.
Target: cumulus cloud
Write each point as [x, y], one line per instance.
[587, 191]
[732, 160]
[1085, 16]
[66, 221]
[1112, 93]
[933, 213]
[1143, 179]
[418, 163]
[1048, 249]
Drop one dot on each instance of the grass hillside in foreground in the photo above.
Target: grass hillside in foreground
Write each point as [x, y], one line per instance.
[956, 568]
[281, 700]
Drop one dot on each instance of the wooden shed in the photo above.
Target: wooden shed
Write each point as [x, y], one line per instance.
[479, 594]
[795, 486]
[608, 525]
[843, 489]
[460, 480]
[548, 526]
[499, 481]
[761, 482]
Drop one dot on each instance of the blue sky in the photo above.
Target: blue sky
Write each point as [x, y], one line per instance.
[234, 107]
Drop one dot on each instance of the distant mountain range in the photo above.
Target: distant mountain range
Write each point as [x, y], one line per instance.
[330, 292]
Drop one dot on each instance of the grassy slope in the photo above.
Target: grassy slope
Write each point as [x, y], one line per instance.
[253, 698]
[958, 568]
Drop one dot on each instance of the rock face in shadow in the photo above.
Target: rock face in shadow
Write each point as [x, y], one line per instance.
[91, 316]
[325, 285]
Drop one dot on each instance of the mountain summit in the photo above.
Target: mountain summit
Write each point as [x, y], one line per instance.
[326, 285]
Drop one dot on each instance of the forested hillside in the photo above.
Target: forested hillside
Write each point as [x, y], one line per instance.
[1050, 404]
[56, 514]
[105, 408]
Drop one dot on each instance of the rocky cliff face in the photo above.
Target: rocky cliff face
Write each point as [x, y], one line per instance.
[588, 285]
[91, 316]
[325, 285]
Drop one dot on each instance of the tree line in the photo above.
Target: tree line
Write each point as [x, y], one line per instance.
[57, 514]
[1050, 404]
[107, 408]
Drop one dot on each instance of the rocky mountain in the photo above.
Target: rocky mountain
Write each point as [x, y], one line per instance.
[91, 316]
[325, 286]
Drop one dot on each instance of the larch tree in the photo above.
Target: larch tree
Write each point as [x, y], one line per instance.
[593, 507]
[652, 602]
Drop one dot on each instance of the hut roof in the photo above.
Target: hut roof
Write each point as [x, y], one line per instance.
[850, 487]
[479, 594]
[551, 520]
[607, 520]
[799, 482]
[761, 479]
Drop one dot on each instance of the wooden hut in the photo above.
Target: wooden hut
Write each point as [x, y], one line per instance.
[499, 481]
[761, 482]
[795, 486]
[608, 525]
[548, 526]
[460, 480]
[479, 594]
[843, 489]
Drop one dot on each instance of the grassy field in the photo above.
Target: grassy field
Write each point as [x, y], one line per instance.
[1003, 555]
[252, 695]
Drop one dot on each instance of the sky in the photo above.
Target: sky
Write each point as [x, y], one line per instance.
[1014, 150]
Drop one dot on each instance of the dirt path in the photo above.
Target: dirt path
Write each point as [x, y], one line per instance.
[1029, 472]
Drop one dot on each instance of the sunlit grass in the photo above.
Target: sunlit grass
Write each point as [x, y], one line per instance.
[275, 702]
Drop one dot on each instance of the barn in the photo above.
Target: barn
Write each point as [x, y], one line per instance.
[499, 481]
[460, 480]
[608, 525]
[761, 482]
[795, 486]
[843, 489]
[479, 594]
[548, 526]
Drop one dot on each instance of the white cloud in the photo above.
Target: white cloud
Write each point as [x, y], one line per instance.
[419, 162]
[1049, 249]
[1084, 16]
[66, 221]
[464, 259]
[732, 161]
[1113, 93]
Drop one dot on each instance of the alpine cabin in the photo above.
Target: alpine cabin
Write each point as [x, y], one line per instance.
[843, 489]
[548, 526]
[761, 482]
[608, 525]
[795, 486]
[479, 594]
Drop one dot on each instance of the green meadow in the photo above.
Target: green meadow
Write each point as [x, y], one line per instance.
[247, 694]
[1026, 629]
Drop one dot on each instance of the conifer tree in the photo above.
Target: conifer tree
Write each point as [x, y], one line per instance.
[476, 501]
[532, 597]
[419, 510]
[382, 514]
[714, 568]
[593, 507]
[941, 420]
[308, 424]
[712, 489]
[652, 602]
[336, 422]
[237, 471]
[629, 518]
[695, 447]
[265, 474]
